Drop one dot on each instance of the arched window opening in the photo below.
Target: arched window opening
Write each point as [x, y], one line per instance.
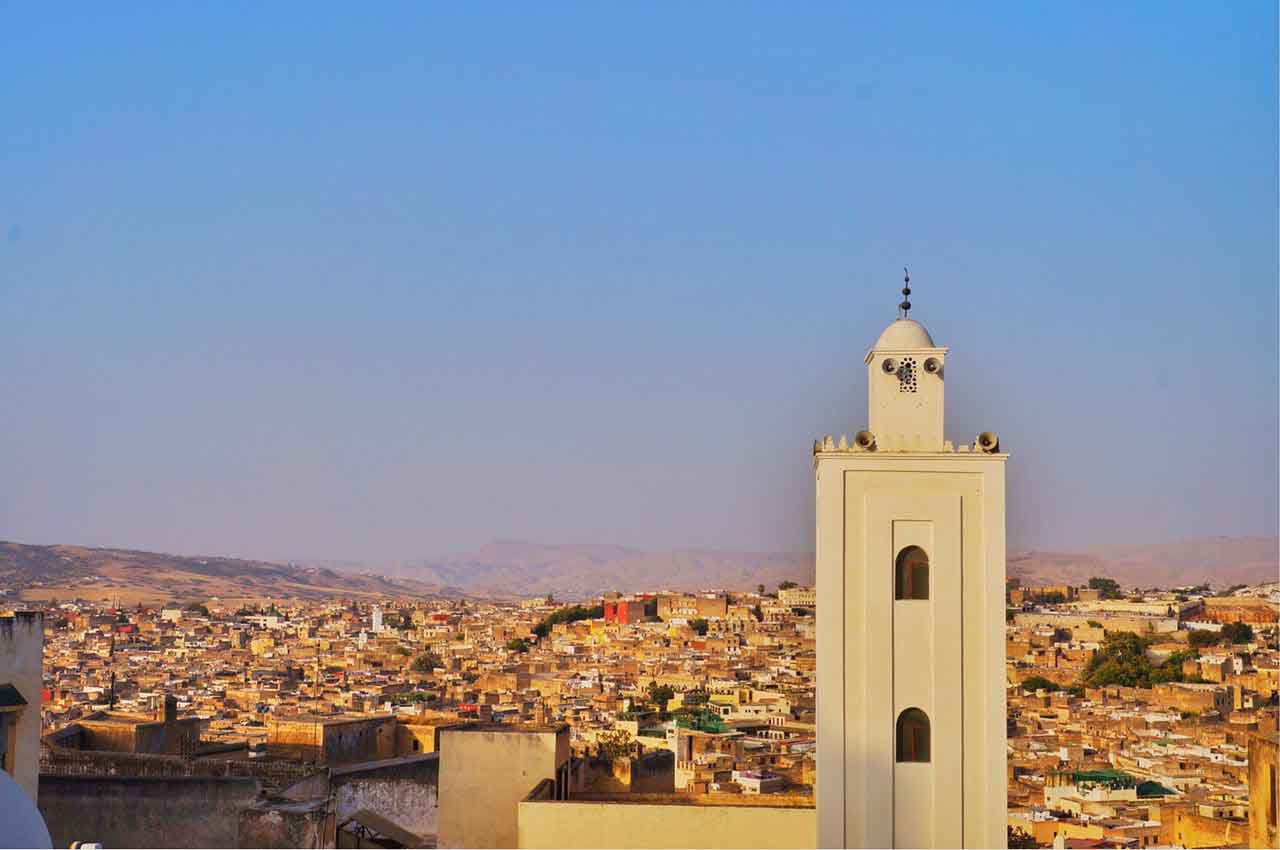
[912, 574]
[913, 735]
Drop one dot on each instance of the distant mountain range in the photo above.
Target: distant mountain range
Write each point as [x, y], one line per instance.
[130, 577]
[1223, 561]
[509, 568]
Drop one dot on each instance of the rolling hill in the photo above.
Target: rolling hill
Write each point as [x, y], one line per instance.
[507, 569]
[130, 576]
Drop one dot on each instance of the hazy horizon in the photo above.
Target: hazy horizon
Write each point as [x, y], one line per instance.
[380, 286]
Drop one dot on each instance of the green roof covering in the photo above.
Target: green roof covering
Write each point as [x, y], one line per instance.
[10, 696]
[1110, 778]
[1153, 789]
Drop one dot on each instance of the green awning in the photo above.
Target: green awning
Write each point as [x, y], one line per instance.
[11, 697]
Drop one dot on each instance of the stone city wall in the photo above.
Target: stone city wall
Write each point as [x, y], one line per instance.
[145, 812]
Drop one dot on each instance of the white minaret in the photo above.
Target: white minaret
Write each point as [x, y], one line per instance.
[910, 566]
[377, 619]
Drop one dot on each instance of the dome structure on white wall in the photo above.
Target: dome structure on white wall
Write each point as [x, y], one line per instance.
[904, 334]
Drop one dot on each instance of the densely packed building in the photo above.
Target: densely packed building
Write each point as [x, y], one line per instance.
[735, 687]
[1135, 718]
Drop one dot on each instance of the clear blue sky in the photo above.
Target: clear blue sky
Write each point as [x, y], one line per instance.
[377, 282]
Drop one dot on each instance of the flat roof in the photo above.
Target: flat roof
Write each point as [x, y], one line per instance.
[766, 801]
[506, 727]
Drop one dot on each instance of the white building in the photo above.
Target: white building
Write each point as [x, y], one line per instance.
[910, 569]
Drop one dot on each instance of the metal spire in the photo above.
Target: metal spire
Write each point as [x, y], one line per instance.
[905, 306]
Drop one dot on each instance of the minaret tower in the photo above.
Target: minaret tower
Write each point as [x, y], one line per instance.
[910, 569]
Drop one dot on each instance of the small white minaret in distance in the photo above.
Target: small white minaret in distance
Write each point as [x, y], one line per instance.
[910, 567]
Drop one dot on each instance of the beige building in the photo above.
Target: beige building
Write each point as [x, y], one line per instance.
[487, 770]
[1264, 790]
[911, 572]
[798, 596]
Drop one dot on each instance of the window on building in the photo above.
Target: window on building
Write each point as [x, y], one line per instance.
[912, 574]
[913, 735]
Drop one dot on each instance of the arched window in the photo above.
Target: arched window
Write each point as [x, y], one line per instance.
[911, 579]
[913, 735]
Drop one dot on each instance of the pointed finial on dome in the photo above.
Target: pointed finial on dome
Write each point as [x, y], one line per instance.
[905, 306]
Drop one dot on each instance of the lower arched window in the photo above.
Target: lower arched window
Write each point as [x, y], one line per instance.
[913, 735]
[911, 574]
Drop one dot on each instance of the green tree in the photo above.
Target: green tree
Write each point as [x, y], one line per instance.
[1238, 632]
[1054, 598]
[786, 585]
[1200, 638]
[660, 695]
[198, 608]
[517, 645]
[427, 662]
[699, 625]
[1020, 838]
[760, 589]
[614, 744]
[1039, 683]
[571, 614]
[402, 650]
[1122, 660]
[1109, 588]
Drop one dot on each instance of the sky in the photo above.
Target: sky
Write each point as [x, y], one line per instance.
[376, 283]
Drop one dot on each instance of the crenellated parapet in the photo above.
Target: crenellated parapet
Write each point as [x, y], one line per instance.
[864, 441]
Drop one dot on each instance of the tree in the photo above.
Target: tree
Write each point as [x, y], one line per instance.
[402, 650]
[786, 585]
[1020, 838]
[660, 695]
[1200, 638]
[1039, 683]
[571, 614]
[427, 662]
[198, 608]
[1110, 588]
[757, 613]
[1054, 598]
[614, 744]
[1238, 632]
[699, 625]
[517, 645]
[1122, 660]
[1093, 624]
[760, 589]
